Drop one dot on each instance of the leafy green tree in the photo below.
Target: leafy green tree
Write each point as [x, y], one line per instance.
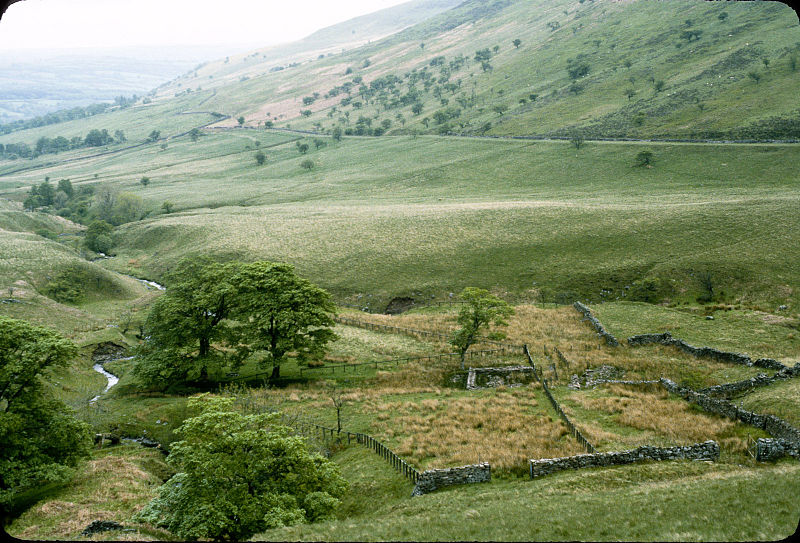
[167, 207]
[119, 136]
[155, 135]
[144, 181]
[577, 67]
[65, 186]
[644, 158]
[659, 85]
[129, 207]
[630, 93]
[281, 313]
[577, 138]
[240, 120]
[40, 441]
[238, 475]
[336, 133]
[302, 148]
[98, 236]
[260, 158]
[186, 328]
[194, 134]
[481, 310]
[97, 138]
[517, 42]
[417, 108]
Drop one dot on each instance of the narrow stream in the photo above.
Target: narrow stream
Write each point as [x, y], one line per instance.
[112, 379]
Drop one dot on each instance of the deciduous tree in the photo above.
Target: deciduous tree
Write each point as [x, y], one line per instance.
[481, 310]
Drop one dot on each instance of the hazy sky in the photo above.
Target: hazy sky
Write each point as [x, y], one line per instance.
[34, 24]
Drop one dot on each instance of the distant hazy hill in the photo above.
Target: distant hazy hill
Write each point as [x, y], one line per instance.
[35, 83]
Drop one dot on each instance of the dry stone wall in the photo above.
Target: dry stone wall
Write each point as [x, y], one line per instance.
[432, 479]
[760, 380]
[601, 331]
[775, 426]
[708, 450]
[773, 449]
[704, 352]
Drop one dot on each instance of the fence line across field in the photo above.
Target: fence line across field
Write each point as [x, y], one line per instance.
[325, 432]
[397, 361]
[412, 331]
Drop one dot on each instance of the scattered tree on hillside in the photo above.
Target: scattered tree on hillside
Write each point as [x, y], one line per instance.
[765, 60]
[481, 310]
[630, 93]
[644, 158]
[659, 85]
[576, 138]
[281, 313]
[755, 76]
[722, 16]
[336, 133]
[239, 474]
[577, 67]
[260, 158]
[167, 207]
[144, 181]
[194, 134]
[302, 147]
[307, 164]
[155, 135]
[517, 42]
[240, 120]
[40, 440]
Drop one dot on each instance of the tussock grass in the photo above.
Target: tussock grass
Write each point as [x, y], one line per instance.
[113, 485]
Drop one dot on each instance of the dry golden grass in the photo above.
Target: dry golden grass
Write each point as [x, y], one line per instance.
[657, 417]
[107, 488]
[505, 428]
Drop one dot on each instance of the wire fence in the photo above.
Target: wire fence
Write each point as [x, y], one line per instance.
[397, 361]
[413, 332]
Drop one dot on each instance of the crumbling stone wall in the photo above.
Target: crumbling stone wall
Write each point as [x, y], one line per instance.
[708, 450]
[773, 425]
[601, 331]
[760, 380]
[508, 375]
[773, 449]
[432, 479]
[704, 352]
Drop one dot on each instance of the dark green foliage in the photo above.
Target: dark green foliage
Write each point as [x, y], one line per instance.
[481, 310]
[187, 327]
[517, 42]
[239, 475]
[155, 135]
[96, 233]
[302, 148]
[240, 120]
[260, 158]
[40, 441]
[144, 181]
[167, 207]
[578, 67]
[644, 158]
[97, 138]
[577, 138]
[755, 76]
[281, 313]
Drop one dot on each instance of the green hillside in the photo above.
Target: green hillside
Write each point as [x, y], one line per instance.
[690, 78]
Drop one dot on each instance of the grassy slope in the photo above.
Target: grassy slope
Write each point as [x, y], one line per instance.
[711, 71]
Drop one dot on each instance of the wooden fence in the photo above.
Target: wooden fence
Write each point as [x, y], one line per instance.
[324, 432]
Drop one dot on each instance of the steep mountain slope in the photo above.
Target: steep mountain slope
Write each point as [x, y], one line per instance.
[617, 69]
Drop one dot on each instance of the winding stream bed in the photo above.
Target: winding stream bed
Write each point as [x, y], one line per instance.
[112, 379]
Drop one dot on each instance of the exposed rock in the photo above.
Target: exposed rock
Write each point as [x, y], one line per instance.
[398, 305]
[98, 526]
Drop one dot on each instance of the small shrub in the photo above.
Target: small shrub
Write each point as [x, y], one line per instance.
[307, 164]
